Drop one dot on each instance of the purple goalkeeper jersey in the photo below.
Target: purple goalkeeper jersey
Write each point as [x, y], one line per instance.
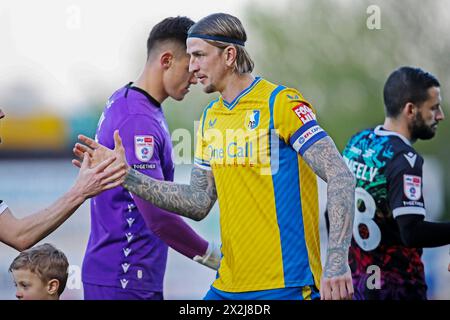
[122, 251]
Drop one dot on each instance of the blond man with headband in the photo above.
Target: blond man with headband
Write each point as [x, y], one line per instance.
[259, 150]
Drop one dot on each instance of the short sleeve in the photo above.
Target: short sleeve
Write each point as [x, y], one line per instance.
[404, 177]
[295, 120]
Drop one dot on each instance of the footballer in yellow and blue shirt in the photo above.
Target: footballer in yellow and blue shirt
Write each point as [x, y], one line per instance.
[267, 193]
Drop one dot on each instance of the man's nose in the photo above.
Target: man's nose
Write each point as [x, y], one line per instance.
[193, 65]
[440, 114]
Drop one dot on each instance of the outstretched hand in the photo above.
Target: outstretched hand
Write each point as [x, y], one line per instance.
[97, 152]
[92, 180]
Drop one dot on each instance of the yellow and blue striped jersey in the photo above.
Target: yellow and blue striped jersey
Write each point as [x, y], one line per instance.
[267, 194]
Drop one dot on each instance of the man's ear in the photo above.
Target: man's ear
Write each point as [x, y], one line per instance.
[230, 54]
[166, 59]
[53, 287]
[410, 110]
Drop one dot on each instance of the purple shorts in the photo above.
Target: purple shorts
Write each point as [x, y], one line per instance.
[97, 292]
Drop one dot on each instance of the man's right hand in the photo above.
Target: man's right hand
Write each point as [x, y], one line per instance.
[92, 180]
[99, 153]
[336, 287]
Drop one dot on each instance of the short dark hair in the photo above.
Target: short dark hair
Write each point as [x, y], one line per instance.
[46, 262]
[406, 84]
[172, 28]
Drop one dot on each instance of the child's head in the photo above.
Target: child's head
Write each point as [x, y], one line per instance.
[40, 273]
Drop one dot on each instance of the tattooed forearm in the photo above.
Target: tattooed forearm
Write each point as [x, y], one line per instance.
[327, 163]
[193, 201]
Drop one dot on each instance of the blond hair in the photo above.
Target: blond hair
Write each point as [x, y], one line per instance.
[225, 26]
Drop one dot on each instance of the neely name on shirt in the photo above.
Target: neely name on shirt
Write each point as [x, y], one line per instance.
[361, 170]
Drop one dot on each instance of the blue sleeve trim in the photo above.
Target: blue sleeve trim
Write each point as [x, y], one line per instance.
[201, 162]
[313, 140]
[301, 130]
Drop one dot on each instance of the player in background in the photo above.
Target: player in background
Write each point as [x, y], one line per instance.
[127, 250]
[25, 232]
[40, 273]
[389, 229]
[266, 185]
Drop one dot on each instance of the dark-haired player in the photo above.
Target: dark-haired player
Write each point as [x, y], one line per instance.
[390, 230]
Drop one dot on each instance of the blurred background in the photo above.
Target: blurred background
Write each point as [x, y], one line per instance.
[61, 60]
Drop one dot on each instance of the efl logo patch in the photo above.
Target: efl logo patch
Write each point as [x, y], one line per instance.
[252, 119]
[412, 186]
[143, 147]
[304, 112]
[306, 136]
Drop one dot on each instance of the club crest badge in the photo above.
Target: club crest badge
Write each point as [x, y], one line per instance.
[252, 119]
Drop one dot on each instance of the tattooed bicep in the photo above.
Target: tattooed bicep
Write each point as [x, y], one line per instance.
[324, 158]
